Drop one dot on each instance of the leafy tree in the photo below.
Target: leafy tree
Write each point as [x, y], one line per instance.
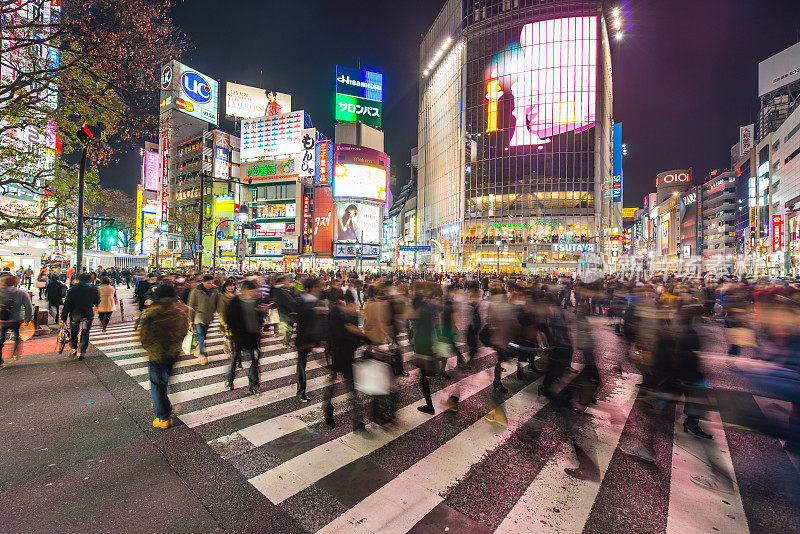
[103, 58]
[187, 221]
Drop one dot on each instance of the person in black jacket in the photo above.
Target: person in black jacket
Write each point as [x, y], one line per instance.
[140, 293]
[308, 334]
[54, 292]
[79, 311]
[245, 317]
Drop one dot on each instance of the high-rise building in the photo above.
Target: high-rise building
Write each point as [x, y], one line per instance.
[515, 136]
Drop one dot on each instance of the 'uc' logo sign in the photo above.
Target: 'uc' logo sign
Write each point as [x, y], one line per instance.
[196, 87]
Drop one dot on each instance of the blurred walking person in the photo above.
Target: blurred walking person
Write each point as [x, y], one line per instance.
[344, 337]
[15, 308]
[79, 311]
[161, 331]
[108, 300]
[55, 293]
[245, 317]
[308, 331]
[203, 300]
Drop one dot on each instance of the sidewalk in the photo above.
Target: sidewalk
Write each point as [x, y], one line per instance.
[78, 454]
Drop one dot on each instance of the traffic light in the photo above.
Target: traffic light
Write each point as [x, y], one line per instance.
[110, 237]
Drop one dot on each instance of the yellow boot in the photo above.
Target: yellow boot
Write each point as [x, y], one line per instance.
[162, 423]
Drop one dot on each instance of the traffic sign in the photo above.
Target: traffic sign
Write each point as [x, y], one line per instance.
[220, 235]
[200, 247]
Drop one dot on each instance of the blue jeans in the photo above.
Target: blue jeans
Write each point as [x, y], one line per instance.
[159, 372]
[79, 330]
[202, 331]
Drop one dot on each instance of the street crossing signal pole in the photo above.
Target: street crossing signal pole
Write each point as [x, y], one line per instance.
[85, 136]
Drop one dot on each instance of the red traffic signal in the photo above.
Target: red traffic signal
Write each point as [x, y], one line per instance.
[87, 133]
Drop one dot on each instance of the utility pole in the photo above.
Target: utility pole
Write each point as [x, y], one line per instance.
[85, 136]
[200, 222]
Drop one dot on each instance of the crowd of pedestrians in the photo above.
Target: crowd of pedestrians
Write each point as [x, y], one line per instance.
[369, 331]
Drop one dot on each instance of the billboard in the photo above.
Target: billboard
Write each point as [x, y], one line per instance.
[359, 96]
[323, 220]
[222, 155]
[246, 102]
[358, 222]
[189, 91]
[259, 171]
[151, 177]
[548, 76]
[746, 138]
[360, 172]
[274, 135]
[781, 69]
[616, 172]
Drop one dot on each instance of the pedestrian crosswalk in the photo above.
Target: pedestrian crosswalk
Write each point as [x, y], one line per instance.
[452, 470]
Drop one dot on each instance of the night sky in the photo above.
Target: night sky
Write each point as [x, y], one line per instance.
[685, 73]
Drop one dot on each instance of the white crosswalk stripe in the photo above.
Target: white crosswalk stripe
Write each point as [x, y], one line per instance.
[241, 427]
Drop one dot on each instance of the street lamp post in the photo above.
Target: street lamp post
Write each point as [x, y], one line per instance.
[499, 243]
[158, 246]
[214, 252]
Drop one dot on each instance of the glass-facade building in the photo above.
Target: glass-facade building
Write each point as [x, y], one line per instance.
[515, 135]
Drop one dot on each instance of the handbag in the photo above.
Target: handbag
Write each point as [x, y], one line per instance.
[26, 330]
[189, 343]
[372, 377]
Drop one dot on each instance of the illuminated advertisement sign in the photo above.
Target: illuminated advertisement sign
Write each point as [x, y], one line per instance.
[272, 136]
[628, 213]
[358, 222]
[360, 172]
[306, 215]
[151, 178]
[324, 153]
[258, 171]
[359, 181]
[616, 172]
[246, 102]
[190, 92]
[323, 220]
[673, 178]
[359, 96]
[746, 138]
[139, 203]
[164, 180]
[777, 232]
[308, 157]
[222, 155]
[550, 74]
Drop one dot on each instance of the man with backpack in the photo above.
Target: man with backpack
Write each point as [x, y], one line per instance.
[15, 307]
[79, 311]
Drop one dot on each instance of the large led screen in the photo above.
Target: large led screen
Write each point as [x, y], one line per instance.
[359, 181]
[358, 222]
[547, 77]
[151, 177]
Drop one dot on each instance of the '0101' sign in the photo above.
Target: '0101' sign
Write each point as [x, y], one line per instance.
[677, 177]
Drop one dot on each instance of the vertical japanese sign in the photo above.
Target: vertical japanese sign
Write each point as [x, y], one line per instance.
[777, 232]
[139, 204]
[306, 215]
[164, 179]
[616, 171]
[323, 220]
[746, 134]
[222, 151]
[324, 155]
[308, 142]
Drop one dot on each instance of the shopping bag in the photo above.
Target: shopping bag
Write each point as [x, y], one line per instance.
[372, 377]
[189, 343]
[62, 338]
[26, 330]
